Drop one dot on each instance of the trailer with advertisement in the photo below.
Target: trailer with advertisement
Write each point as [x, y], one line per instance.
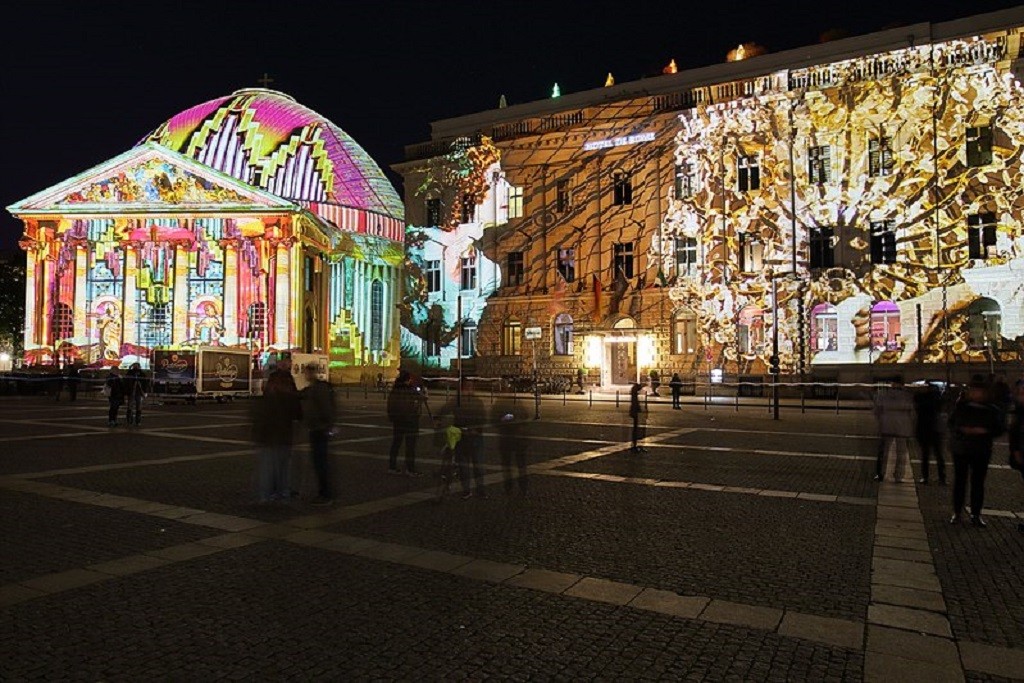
[207, 372]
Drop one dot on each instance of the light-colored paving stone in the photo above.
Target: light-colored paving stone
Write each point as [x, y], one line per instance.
[62, 581]
[488, 570]
[919, 621]
[346, 544]
[923, 582]
[231, 540]
[778, 494]
[886, 565]
[996, 661]
[753, 616]
[544, 580]
[438, 560]
[271, 531]
[885, 668]
[391, 552]
[900, 542]
[184, 551]
[836, 632]
[908, 597]
[817, 496]
[176, 512]
[12, 594]
[215, 520]
[667, 602]
[889, 553]
[129, 565]
[309, 537]
[889, 513]
[602, 590]
[930, 649]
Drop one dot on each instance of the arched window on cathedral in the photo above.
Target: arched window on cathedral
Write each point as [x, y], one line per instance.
[985, 323]
[824, 328]
[377, 316]
[257, 320]
[885, 326]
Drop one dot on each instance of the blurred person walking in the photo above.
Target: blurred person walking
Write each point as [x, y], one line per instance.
[973, 424]
[1016, 436]
[894, 410]
[404, 406]
[272, 416]
[636, 411]
[318, 412]
[929, 428]
[676, 384]
[509, 418]
[72, 379]
[469, 415]
[113, 389]
[135, 388]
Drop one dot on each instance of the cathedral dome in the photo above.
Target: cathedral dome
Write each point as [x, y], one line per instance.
[267, 139]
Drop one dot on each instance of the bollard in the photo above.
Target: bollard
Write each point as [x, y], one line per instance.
[563, 396]
[803, 399]
[492, 393]
[591, 398]
[346, 392]
[365, 396]
[706, 397]
[837, 403]
[446, 392]
[616, 398]
[737, 400]
[645, 401]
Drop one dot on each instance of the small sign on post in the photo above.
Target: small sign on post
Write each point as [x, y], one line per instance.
[532, 333]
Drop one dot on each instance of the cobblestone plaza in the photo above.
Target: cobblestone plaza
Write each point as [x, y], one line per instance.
[737, 548]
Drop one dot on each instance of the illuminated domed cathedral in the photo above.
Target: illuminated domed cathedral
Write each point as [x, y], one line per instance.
[247, 221]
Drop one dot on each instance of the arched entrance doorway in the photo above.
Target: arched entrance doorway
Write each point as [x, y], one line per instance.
[622, 351]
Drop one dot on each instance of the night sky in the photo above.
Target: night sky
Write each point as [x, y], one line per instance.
[83, 82]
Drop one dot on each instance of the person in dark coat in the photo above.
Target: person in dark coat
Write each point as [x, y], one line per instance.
[273, 416]
[676, 385]
[636, 410]
[404, 405]
[318, 414]
[973, 424]
[135, 389]
[1016, 436]
[509, 418]
[469, 415]
[113, 388]
[928, 407]
[72, 379]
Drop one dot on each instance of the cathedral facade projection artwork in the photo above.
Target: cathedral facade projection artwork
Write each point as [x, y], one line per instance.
[248, 221]
[862, 201]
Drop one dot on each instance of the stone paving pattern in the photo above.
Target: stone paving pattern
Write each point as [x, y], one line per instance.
[724, 582]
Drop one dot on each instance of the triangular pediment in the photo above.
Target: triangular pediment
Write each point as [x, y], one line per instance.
[150, 178]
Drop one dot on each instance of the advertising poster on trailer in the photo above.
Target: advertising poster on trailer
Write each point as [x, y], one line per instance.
[174, 371]
[224, 370]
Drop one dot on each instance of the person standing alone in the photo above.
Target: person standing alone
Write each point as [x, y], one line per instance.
[636, 410]
[973, 424]
[135, 390]
[404, 403]
[113, 389]
[928, 405]
[272, 417]
[676, 384]
[318, 413]
[894, 409]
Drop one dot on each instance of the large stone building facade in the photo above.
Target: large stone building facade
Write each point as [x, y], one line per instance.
[854, 204]
[248, 221]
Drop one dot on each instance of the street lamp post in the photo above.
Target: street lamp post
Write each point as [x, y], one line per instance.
[773, 362]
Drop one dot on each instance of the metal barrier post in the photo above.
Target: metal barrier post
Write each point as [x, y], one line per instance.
[707, 388]
[492, 393]
[803, 399]
[563, 396]
[616, 398]
[365, 392]
[737, 398]
[591, 398]
[837, 399]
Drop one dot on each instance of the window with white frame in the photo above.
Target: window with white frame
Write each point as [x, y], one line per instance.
[819, 164]
[433, 276]
[567, 264]
[686, 256]
[822, 250]
[883, 241]
[684, 332]
[748, 173]
[979, 146]
[467, 336]
[512, 337]
[981, 235]
[467, 268]
[515, 202]
[515, 272]
[880, 161]
[563, 335]
[751, 253]
[685, 180]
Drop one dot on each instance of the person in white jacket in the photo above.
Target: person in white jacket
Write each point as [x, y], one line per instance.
[894, 409]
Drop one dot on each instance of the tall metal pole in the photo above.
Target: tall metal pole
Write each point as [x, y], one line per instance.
[458, 353]
[774, 360]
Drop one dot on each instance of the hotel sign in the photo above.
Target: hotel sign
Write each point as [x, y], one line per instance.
[618, 142]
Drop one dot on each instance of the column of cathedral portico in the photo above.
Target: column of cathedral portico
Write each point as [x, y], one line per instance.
[184, 323]
[129, 328]
[232, 333]
[81, 318]
[282, 296]
[32, 275]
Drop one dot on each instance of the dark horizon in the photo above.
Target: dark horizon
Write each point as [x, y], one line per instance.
[88, 86]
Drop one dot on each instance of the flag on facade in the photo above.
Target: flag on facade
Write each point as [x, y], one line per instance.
[557, 295]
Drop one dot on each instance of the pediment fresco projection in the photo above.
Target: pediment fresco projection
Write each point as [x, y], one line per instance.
[154, 181]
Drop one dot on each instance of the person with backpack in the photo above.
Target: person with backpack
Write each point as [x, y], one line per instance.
[974, 423]
[318, 413]
[404, 405]
[113, 389]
